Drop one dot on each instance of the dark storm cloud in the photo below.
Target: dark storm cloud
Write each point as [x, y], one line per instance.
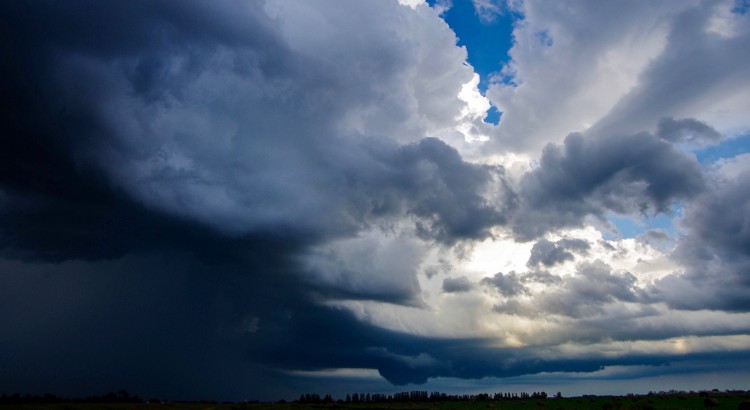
[372, 266]
[509, 284]
[589, 177]
[430, 181]
[159, 322]
[687, 130]
[455, 209]
[454, 285]
[205, 112]
[549, 253]
[594, 284]
[164, 325]
[654, 235]
[720, 217]
[59, 205]
[427, 182]
[715, 251]
[580, 296]
[112, 110]
[405, 359]
[166, 166]
[541, 277]
[658, 239]
[163, 167]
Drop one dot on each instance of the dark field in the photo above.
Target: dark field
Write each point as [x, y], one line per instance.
[655, 402]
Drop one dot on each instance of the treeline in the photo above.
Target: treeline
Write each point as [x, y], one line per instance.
[420, 396]
[121, 396]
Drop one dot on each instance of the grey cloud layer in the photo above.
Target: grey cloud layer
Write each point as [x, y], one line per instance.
[715, 253]
[686, 130]
[256, 125]
[189, 154]
[454, 285]
[582, 295]
[509, 284]
[588, 177]
[698, 68]
[549, 253]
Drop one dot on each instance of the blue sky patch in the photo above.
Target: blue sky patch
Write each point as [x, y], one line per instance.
[741, 6]
[630, 227]
[493, 116]
[728, 148]
[487, 42]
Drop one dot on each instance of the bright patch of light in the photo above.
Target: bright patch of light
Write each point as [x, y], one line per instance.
[732, 168]
[681, 345]
[475, 109]
[726, 23]
[348, 373]
[411, 3]
[476, 104]
[498, 255]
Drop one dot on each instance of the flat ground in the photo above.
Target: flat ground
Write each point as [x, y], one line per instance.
[671, 402]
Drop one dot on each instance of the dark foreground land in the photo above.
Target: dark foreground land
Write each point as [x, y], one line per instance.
[737, 400]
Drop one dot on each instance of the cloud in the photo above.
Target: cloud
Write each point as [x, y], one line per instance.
[455, 285]
[582, 295]
[686, 130]
[487, 10]
[588, 177]
[229, 160]
[697, 69]
[596, 282]
[267, 189]
[403, 359]
[612, 68]
[714, 250]
[541, 277]
[549, 253]
[194, 123]
[442, 6]
[657, 238]
[142, 314]
[507, 284]
[450, 203]
[570, 64]
[372, 266]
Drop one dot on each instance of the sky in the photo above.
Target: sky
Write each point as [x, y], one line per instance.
[239, 200]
